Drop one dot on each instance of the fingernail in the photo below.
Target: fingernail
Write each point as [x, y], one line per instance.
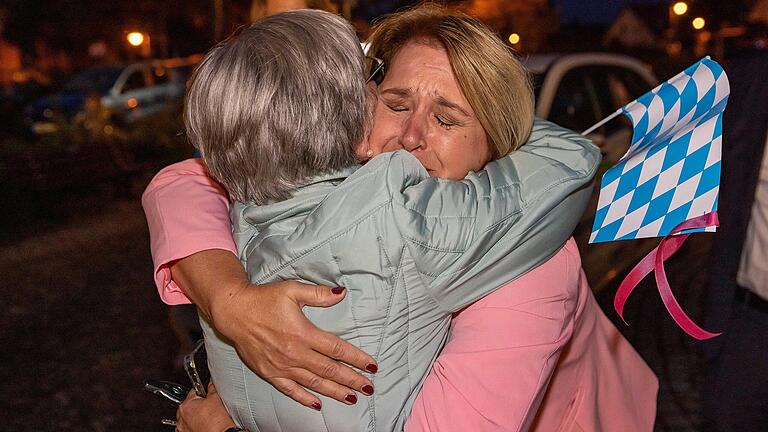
[372, 368]
[317, 406]
[337, 290]
[352, 399]
[368, 389]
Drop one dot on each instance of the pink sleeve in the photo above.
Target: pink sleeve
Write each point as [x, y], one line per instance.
[187, 212]
[501, 353]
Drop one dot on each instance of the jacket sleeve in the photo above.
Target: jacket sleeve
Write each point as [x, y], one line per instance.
[187, 212]
[472, 236]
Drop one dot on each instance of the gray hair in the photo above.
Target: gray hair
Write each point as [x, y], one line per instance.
[281, 102]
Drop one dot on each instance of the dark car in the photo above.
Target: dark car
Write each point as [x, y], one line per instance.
[129, 92]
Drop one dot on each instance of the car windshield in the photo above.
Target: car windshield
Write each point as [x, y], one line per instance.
[536, 80]
[98, 80]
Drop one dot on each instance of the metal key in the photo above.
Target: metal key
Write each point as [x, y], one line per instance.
[176, 393]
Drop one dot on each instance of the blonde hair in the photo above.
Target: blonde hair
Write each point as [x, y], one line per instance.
[495, 83]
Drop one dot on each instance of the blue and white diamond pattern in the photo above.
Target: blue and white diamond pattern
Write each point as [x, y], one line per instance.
[671, 172]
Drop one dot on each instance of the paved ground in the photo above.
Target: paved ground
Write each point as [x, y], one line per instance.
[82, 327]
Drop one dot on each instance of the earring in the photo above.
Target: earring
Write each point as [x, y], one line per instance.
[369, 153]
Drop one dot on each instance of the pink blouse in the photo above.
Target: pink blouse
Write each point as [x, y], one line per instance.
[537, 354]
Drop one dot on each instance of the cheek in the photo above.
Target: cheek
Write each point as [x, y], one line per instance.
[468, 152]
[385, 132]
[480, 149]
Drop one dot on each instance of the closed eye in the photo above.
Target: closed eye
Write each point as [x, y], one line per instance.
[444, 122]
[397, 108]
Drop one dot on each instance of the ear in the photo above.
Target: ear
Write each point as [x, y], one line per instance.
[373, 95]
[362, 150]
[372, 92]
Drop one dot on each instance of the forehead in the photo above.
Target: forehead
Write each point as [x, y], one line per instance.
[420, 55]
[423, 68]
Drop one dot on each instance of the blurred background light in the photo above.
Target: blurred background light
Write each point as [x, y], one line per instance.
[135, 38]
[680, 8]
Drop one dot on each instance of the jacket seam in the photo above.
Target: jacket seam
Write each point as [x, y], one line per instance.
[433, 248]
[388, 314]
[322, 244]
[357, 327]
[408, 337]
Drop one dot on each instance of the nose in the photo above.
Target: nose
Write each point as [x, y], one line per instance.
[412, 136]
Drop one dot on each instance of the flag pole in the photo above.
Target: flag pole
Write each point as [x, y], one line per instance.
[602, 122]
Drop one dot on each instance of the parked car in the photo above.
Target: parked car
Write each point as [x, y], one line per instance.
[576, 91]
[129, 93]
[27, 86]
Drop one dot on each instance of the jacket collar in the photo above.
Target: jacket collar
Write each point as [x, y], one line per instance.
[302, 201]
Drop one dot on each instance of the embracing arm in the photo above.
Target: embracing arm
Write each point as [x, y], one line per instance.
[470, 237]
[195, 259]
[188, 214]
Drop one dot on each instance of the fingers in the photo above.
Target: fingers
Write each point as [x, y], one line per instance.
[325, 387]
[334, 347]
[316, 295]
[181, 425]
[296, 392]
[190, 395]
[335, 379]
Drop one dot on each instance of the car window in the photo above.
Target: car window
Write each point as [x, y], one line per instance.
[136, 80]
[635, 83]
[537, 79]
[616, 86]
[574, 104]
[99, 79]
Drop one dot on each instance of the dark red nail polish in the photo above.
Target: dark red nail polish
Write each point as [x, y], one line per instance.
[372, 368]
[337, 290]
[317, 406]
[352, 399]
[368, 389]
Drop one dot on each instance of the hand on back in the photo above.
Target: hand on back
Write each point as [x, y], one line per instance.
[274, 339]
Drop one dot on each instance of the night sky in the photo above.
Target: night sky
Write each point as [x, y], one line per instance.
[594, 11]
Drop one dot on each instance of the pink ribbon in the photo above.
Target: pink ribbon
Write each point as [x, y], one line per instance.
[654, 261]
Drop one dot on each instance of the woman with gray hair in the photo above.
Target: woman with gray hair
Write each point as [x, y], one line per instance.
[278, 112]
[429, 246]
[279, 103]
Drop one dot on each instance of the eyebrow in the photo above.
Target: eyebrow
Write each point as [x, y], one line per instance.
[398, 91]
[440, 100]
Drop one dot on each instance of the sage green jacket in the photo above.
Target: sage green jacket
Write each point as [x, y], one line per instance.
[410, 249]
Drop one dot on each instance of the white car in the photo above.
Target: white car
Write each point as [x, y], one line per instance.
[130, 92]
[577, 91]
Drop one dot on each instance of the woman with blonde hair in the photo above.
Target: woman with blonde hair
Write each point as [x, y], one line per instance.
[431, 111]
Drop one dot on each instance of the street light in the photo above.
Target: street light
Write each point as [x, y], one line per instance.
[135, 38]
[514, 38]
[698, 23]
[680, 8]
[138, 39]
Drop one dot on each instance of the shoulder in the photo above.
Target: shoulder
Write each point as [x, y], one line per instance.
[574, 151]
